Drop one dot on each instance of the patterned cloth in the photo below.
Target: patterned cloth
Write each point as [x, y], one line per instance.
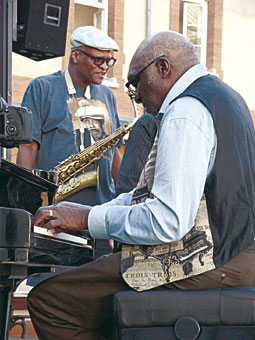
[145, 267]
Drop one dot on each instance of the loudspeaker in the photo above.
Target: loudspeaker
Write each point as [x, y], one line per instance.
[41, 28]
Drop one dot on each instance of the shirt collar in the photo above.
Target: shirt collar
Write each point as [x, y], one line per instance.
[185, 81]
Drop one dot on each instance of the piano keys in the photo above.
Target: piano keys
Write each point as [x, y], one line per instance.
[60, 237]
[18, 238]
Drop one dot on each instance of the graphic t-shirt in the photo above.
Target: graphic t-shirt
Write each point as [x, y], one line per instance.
[63, 124]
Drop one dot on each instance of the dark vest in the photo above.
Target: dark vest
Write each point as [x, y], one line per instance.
[230, 189]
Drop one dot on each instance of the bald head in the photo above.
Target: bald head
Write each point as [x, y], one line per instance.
[180, 52]
[158, 63]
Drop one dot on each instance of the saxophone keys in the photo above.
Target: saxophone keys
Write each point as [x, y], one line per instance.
[62, 176]
[74, 182]
[71, 170]
[77, 165]
[61, 189]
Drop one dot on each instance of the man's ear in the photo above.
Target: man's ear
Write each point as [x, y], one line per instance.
[74, 56]
[163, 65]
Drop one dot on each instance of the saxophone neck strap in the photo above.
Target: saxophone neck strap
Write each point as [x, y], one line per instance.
[70, 86]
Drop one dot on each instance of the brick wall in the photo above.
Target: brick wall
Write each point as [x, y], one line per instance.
[70, 29]
[115, 30]
[175, 15]
[214, 36]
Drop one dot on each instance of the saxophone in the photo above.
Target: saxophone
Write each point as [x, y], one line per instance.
[70, 172]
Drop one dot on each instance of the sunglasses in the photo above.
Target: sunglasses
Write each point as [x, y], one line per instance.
[99, 60]
[131, 85]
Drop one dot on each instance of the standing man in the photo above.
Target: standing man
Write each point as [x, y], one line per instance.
[59, 131]
[190, 222]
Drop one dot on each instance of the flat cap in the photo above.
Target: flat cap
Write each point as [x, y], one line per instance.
[92, 37]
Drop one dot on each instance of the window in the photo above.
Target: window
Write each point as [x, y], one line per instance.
[195, 25]
[91, 12]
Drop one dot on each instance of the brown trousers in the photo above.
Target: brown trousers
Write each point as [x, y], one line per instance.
[77, 304]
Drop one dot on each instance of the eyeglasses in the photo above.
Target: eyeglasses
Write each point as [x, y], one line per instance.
[100, 60]
[131, 85]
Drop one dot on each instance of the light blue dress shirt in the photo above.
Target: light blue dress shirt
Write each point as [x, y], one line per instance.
[186, 152]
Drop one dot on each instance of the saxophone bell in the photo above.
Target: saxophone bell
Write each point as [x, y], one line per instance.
[71, 172]
[75, 184]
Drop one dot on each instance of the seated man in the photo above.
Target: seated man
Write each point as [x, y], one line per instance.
[189, 224]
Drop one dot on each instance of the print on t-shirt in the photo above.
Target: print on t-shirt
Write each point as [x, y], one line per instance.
[91, 115]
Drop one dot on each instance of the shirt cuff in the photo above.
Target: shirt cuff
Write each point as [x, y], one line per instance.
[96, 222]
